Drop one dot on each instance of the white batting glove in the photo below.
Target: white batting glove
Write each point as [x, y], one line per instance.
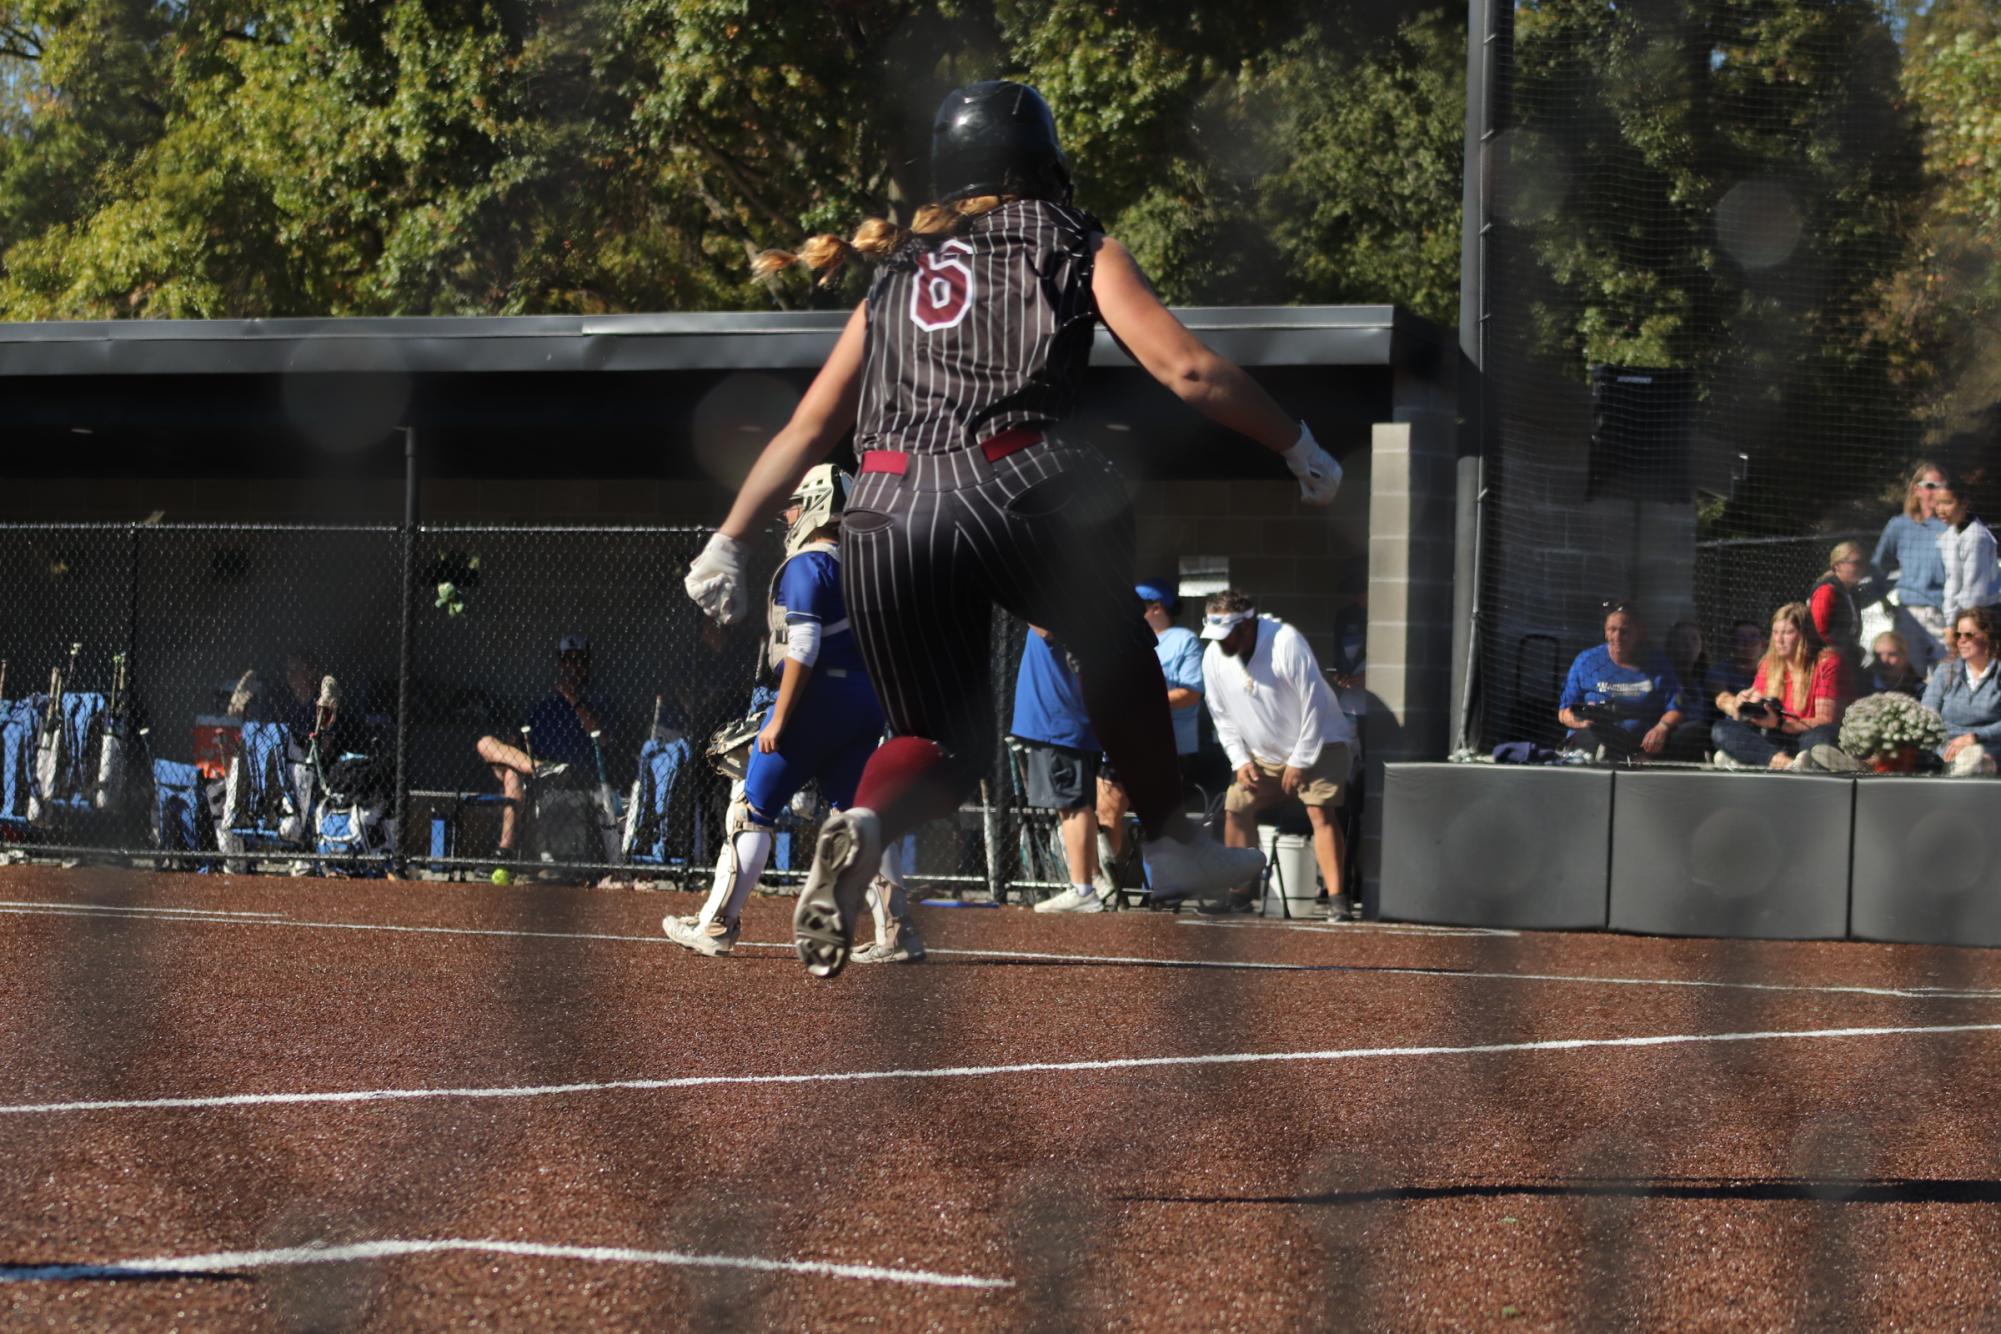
[1319, 475]
[715, 579]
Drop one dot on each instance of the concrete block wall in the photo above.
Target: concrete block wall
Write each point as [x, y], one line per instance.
[1412, 497]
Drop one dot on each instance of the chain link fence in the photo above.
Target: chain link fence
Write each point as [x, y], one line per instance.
[244, 696]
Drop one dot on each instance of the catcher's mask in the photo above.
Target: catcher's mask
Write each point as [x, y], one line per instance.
[996, 138]
[822, 495]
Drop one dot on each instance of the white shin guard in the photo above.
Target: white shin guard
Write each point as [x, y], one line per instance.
[741, 862]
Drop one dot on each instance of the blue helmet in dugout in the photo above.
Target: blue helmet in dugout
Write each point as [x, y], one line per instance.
[821, 496]
[996, 138]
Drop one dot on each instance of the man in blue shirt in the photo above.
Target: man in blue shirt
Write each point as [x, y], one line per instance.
[1062, 763]
[1620, 694]
[559, 730]
[1180, 654]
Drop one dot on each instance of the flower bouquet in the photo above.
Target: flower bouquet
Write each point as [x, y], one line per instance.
[1887, 731]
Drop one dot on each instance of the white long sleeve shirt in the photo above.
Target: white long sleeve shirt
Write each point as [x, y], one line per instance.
[1276, 708]
[1971, 576]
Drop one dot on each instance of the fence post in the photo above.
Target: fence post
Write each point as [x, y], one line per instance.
[402, 800]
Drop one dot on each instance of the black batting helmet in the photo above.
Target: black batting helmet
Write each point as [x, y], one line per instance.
[996, 138]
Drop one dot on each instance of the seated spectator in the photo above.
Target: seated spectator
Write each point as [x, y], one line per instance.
[1620, 695]
[1837, 614]
[1794, 702]
[1966, 691]
[312, 712]
[560, 728]
[1972, 578]
[1735, 673]
[1892, 669]
[1062, 763]
[1909, 547]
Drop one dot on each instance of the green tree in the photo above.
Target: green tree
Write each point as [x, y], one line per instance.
[454, 156]
[1722, 186]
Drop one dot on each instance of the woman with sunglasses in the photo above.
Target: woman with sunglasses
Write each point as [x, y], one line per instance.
[1909, 547]
[1966, 692]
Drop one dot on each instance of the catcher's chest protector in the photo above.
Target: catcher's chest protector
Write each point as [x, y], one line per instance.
[776, 631]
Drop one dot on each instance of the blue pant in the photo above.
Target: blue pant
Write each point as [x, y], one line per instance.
[1757, 745]
[832, 733]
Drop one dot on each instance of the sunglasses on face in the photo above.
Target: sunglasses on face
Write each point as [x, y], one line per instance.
[1931, 486]
[1968, 634]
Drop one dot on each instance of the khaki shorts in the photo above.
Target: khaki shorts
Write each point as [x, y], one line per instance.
[1326, 783]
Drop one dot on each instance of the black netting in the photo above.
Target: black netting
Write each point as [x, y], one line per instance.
[1698, 379]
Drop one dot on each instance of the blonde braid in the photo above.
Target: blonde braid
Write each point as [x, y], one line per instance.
[875, 238]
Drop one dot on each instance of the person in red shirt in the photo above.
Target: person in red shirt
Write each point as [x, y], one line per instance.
[1837, 613]
[1795, 701]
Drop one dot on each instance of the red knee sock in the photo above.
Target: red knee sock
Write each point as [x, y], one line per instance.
[908, 782]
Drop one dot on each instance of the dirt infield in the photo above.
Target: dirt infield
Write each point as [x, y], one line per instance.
[286, 1103]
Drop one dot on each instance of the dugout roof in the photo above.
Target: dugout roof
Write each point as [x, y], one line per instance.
[608, 396]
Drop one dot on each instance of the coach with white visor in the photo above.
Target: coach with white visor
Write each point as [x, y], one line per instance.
[1284, 731]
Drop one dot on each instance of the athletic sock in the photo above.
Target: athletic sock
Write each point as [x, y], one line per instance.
[1125, 695]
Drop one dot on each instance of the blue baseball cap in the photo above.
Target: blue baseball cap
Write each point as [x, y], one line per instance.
[1161, 591]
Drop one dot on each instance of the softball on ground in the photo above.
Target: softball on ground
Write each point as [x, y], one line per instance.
[502, 876]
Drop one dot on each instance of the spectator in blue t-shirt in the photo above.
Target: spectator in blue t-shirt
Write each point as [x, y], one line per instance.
[1062, 763]
[1180, 654]
[559, 732]
[1909, 547]
[1620, 695]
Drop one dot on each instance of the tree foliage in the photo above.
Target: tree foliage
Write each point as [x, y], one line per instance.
[284, 157]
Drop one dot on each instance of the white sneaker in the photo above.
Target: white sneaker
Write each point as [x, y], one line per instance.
[1197, 866]
[903, 944]
[1073, 900]
[844, 862]
[712, 939]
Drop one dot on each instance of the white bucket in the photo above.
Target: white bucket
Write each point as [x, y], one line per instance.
[1292, 877]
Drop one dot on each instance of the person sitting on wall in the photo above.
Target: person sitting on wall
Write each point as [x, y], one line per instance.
[1736, 672]
[1621, 698]
[1794, 703]
[1965, 690]
[1891, 670]
[560, 728]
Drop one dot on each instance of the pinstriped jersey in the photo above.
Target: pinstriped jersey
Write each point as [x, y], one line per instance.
[977, 333]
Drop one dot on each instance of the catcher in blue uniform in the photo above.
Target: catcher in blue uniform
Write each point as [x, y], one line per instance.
[821, 728]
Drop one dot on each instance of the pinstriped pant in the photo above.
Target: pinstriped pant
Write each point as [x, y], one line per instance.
[1047, 533]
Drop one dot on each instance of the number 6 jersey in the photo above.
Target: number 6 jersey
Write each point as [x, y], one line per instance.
[972, 335]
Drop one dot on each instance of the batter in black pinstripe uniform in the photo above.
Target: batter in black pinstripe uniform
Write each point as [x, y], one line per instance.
[955, 375]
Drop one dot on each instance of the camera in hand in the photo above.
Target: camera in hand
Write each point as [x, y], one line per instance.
[1600, 711]
[1764, 711]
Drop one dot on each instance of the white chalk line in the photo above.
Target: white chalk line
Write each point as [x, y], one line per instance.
[133, 907]
[1253, 923]
[320, 1253]
[977, 1071]
[223, 917]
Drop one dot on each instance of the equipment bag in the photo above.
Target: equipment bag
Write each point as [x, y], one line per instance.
[663, 768]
